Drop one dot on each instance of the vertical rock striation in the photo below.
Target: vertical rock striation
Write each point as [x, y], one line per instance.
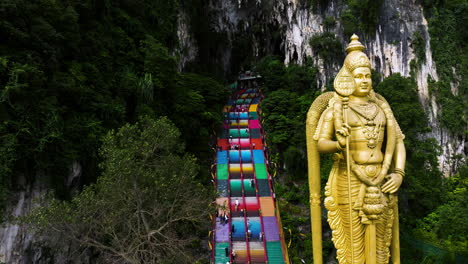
[15, 240]
[188, 49]
[391, 47]
[19, 244]
[253, 29]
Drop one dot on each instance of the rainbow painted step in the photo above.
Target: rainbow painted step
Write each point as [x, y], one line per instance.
[252, 233]
[222, 253]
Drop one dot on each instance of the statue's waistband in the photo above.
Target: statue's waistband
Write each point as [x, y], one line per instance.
[370, 170]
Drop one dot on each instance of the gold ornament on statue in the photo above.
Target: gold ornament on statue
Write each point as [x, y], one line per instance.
[358, 125]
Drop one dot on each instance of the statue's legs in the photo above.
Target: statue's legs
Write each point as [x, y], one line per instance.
[384, 235]
[340, 221]
[395, 247]
[356, 244]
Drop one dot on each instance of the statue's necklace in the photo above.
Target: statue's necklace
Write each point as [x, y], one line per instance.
[370, 130]
[365, 111]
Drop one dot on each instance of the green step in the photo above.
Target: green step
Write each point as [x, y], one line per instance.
[253, 115]
[244, 133]
[233, 133]
[222, 171]
[248, 188]
[260, 171]
[220, 253]
[274, 252]
[236, 187]
[236, 133]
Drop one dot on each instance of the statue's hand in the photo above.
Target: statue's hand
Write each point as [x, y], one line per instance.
[341, 135]
[393, 183]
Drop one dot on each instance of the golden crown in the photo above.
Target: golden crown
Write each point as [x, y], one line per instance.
[344, 83]
[356, 58]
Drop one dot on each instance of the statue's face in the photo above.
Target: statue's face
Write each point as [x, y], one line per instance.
[363, 81]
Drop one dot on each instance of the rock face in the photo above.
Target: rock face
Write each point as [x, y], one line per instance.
[15, 240]
[20, 245]
[257, 28]
[187, 50]
[285, 27]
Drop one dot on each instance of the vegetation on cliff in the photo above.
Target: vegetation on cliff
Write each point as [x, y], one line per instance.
[71, 71]
[450, 52]
[146, 207]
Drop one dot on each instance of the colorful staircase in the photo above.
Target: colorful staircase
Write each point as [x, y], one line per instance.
[252, 234]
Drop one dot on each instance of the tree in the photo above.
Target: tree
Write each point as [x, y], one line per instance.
[446, 225]
[146, 206]
[423, 184]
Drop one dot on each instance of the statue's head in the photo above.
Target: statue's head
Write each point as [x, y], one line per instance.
[354, 77]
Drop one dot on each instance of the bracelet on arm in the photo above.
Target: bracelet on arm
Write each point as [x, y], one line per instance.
[338, 146]
[399, 171]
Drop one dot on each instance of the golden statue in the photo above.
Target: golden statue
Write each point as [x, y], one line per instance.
[358, 125]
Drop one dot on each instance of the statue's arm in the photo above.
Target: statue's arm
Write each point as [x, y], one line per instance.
[326, 130]
[327, 146]
[399, 159]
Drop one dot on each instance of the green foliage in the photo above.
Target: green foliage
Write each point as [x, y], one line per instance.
[7, 159]
[376, 78]
[419, 46]
[446, 226]
[138, 211]
[454, 107]
[327, 45]
[289, 91]
[293, 200]
[71, 71]
[273, 71]
[431, 208]
[423, 178]
[294, 208]
[317, 4]
[350, 23]
[275, 111]
[295, 162]
[329, 23]
[197, 106]
[402, 94]
[361, 17]
[450, 54]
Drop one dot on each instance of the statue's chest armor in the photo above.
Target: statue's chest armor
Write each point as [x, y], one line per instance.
[366, 115]
[367, 125]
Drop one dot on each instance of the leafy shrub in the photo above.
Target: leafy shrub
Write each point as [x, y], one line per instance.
[327, 46]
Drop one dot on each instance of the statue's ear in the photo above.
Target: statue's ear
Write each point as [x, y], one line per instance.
[344, 83]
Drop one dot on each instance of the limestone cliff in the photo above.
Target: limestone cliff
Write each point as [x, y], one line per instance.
[19, 244]
[285, 28]
[247, 30]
